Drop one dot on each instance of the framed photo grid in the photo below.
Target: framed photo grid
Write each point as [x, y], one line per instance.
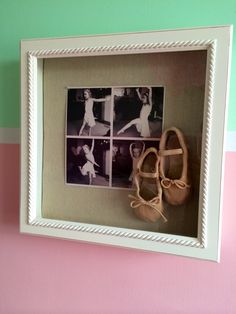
[91, 109]
[107, 130]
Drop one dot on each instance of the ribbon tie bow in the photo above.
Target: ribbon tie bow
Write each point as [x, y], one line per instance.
[166, 183]
[153, 203]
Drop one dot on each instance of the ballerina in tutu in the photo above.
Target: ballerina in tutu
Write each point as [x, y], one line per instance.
[141, 123]
[136, 152]
[88, 167]
[89, 118]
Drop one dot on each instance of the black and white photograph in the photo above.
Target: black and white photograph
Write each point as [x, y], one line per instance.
[89, 111]
[108, 129]
[88, 161]
[138, 112]
[125, 156]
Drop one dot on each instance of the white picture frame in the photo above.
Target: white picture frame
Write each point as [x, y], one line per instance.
[216, 41]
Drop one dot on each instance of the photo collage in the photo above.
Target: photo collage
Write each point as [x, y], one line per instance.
[107, 130]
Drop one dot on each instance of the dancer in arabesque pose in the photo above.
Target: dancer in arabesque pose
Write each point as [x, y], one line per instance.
[141, 123]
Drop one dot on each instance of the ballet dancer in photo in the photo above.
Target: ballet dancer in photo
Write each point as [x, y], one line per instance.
[135, 153]
[89, 118]
[141, 123]
[88, 167]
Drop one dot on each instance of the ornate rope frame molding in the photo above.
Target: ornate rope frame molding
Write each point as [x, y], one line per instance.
[33, 57]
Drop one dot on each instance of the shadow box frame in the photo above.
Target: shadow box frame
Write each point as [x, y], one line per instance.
[217, 43]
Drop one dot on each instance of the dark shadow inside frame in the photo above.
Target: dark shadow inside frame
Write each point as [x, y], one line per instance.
[183, 76]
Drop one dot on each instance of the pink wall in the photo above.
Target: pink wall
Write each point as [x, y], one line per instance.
[42, 275]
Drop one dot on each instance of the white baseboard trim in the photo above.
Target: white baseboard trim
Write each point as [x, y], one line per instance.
[12, 136]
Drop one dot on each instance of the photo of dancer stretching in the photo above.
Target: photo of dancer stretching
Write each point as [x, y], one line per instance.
[141, 123]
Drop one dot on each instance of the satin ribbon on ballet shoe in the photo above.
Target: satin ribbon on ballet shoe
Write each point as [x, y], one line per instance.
[147, 184]
[153, 203]
[166, 183]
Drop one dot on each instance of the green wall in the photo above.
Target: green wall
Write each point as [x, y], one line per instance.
[21, 19]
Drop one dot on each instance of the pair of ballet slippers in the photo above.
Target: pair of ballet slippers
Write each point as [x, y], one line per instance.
[161, 175]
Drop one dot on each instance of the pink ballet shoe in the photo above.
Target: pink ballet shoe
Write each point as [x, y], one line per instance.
[174, 166]
[147, 203]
